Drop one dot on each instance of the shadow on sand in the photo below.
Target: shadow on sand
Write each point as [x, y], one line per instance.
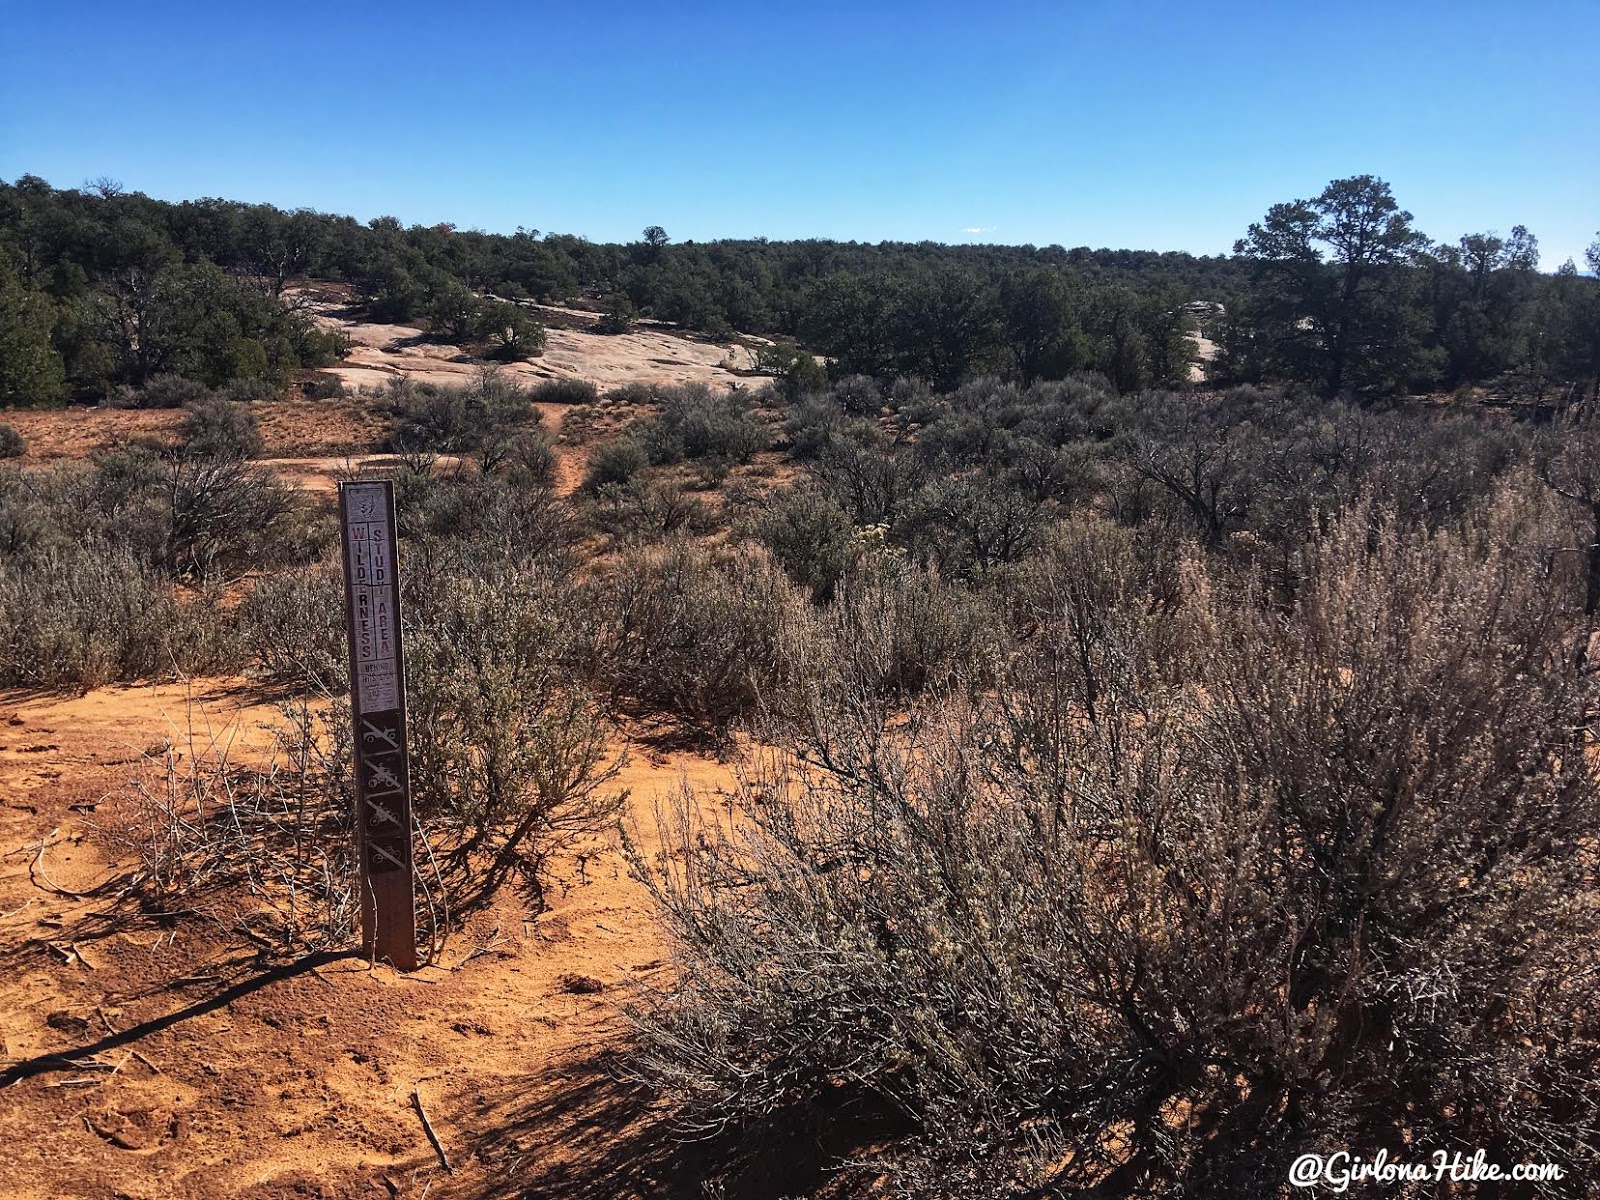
[590, 1134]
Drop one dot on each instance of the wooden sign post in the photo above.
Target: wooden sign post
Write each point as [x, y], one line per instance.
[378, 709]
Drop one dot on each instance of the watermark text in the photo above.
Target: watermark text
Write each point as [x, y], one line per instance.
[1342, 1170]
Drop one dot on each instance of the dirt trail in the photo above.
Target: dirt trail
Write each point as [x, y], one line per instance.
[203, 1070]
[310, 443]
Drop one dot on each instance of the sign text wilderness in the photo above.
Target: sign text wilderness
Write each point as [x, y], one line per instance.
[378, 710]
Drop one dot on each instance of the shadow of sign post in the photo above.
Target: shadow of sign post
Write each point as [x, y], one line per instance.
[378, 710]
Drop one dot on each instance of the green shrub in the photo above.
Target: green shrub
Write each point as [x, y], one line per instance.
[163, 391]
[454, 312]
[317, 347]
[696, 424]
[798, 372]
[476, 523]
[250, 391]
[619, 316]
[858, 395]
[216, 427]
[530, 460]
[634, 393]
[811, 535]
[564, 390]
[12, 443]
[294, 628]
[325, 387]
[457, 420]
[615, 463]
[512, 334]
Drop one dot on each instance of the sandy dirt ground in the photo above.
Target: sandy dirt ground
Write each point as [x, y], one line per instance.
[289, 428]
[191, 1066]
[1205, 351]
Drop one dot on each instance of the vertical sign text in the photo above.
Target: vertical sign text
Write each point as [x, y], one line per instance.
[378, 708]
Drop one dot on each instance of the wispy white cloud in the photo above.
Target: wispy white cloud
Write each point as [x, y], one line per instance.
[977, 229]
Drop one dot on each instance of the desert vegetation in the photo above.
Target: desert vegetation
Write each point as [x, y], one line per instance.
[1141, 782]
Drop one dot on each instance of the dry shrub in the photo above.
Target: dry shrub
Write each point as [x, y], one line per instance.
[221, 428]
[160, 391]
[294, 628]
[445, 419]
[222, 517]
[510, 765]
[642, 510]
[808, 532]
[115, 572]
[614, 465]
[469, 522]
[528, 460]
[510, 753]
[261, 841]
[697, 423]
[1308, 878]
[1100, 611]
[565, 390]
[510, 762]
[194, 518]
[699, 635]
[895, 631]
[84, 615]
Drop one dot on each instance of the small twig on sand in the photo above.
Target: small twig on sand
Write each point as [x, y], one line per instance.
[36, 870]
[427, 1125]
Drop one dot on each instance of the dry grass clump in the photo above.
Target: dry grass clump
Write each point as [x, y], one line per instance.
[259, 840]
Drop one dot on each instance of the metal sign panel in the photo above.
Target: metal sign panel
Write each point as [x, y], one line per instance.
[378, 709]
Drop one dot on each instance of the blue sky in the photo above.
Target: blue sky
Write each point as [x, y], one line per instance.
[1151, 126]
